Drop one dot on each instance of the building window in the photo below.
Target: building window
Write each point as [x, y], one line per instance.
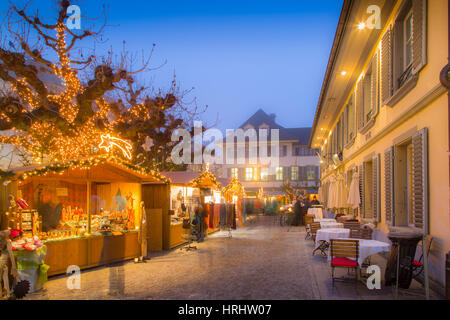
[311, 174]
[234, 173]
[408, 31]
[279, 174]
[294, 173]
[367, 96]
[283, 151]
[402, 46]
[403, 185]
[264, 174]
[248, 174]
[349, 123]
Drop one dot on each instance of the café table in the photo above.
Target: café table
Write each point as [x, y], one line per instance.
[317, 212]
[331, 233]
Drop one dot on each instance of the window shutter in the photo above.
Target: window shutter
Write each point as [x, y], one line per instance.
[386, 66]
[360, 103]
[376, 187]
[361, 190]
[374, 86]
[389, 184]
[419, 12]
[229, 172]
[420, 180]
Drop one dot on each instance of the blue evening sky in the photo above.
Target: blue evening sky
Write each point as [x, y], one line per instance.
[239, 55]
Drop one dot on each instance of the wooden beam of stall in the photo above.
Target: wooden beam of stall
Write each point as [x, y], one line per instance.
[88, 202]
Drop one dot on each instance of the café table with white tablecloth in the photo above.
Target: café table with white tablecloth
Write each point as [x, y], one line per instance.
[330, 233]
[331, 225]
[324, 220]
[316, 212]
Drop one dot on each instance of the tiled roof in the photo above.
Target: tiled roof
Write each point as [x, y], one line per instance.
[260, 117]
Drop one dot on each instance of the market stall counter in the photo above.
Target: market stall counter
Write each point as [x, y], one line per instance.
[86, 212]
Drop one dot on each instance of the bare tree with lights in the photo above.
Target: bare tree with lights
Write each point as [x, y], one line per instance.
[57, 99]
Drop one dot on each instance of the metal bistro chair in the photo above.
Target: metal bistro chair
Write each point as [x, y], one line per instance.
[418, 264]
[366, 234]
[344, 254]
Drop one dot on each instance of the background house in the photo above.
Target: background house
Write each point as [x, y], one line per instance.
[298, 163]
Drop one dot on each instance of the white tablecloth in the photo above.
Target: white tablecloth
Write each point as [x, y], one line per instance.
[317, 212]
[327, 234]
[331, 225]
[324, 220]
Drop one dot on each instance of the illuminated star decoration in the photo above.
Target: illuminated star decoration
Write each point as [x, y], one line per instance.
[108, 142]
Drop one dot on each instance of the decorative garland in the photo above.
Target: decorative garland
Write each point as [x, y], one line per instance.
[196, 183]
[58, 168]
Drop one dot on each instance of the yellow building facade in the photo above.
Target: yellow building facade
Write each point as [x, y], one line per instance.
[383, 113]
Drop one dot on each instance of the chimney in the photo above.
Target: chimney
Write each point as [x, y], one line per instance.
[272, 116]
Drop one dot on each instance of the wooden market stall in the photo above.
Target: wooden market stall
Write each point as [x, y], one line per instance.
[86, 211]
[178, 201]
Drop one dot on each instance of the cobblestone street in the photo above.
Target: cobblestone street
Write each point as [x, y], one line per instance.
[261, 261]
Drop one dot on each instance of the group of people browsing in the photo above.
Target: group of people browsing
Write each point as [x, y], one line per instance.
[301, 206]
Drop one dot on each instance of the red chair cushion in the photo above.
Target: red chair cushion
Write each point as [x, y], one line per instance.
[417, 264]
[344, 262]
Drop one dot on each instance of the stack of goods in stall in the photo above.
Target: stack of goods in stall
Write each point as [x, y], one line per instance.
[214, 218]
[223, 215]
[114, 223]
[26, 243]
[73, 224]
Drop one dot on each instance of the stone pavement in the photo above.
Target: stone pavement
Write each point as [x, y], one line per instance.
[262, 261]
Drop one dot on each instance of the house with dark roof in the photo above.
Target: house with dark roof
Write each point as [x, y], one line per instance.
[297, 163]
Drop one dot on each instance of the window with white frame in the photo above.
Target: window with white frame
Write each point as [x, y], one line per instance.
[408, 40]
[279, 173]
[248, 174]
[234, 173]
[264, 174]
[310, 173]
[294, 173]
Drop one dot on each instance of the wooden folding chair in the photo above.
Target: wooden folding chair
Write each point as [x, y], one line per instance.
[362, 233]
[344, 254]
[352, 225]
[366, 233]
[314, 227]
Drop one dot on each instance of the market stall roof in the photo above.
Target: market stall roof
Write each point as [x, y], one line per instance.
[192, 179]
[232, 185]
[99, 168]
